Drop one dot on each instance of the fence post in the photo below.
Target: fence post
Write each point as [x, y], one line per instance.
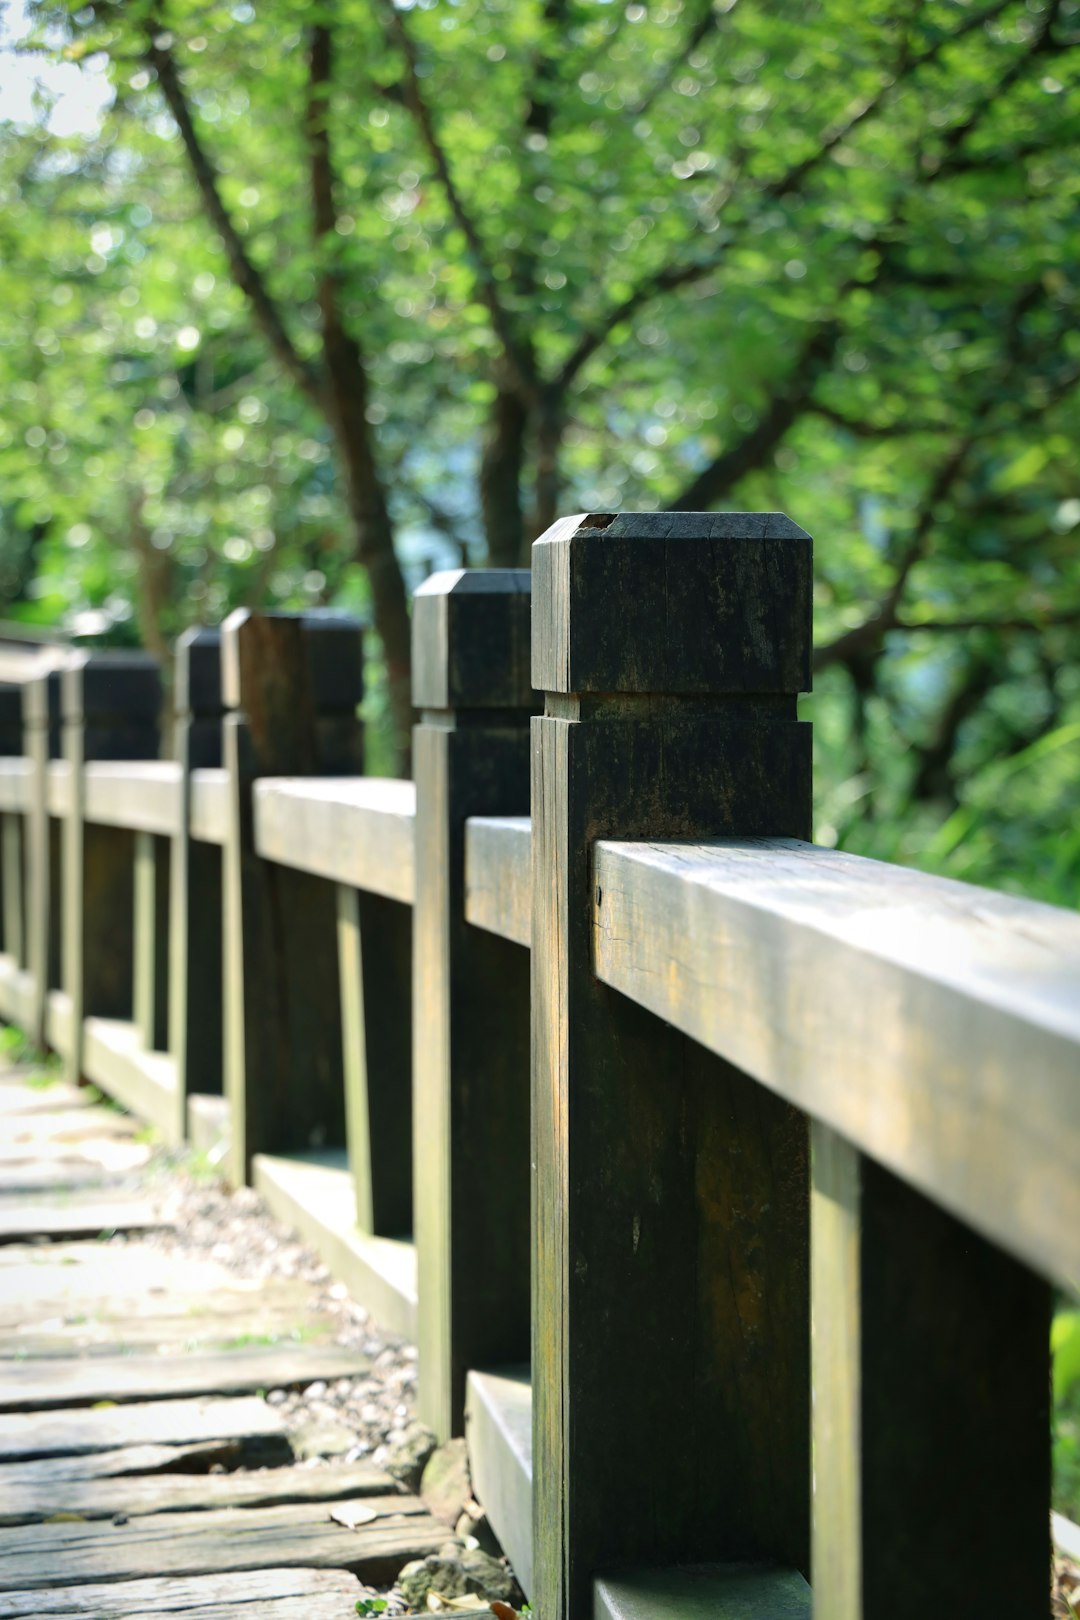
[111, 705]
[670, 1296]
[291, 687]
[375, 969]
[470, 991]
[11, 843]
[195, 963]
[931, 1406]
[41, 730]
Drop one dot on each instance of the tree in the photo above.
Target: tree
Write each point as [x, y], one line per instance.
[511, 258]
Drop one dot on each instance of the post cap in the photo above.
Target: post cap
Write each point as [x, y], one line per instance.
[112, 684]
[331, 648]
[470, 640]
[683, 603]
[197, 679]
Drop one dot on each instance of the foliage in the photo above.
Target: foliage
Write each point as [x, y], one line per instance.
[567, 254]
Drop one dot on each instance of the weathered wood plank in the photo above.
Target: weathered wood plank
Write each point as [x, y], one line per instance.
[142, 795]
[138, 1496]
[28, 1435]
[179, 1544]
[115, 1058]
[316, 1193]
[202, 1597]
[28, 1387]
[951, 993]
[16, 775]
[470, 989]
[670, 1192]
[112, 1152]
[354, 830]
[498, 876]
[210, 804]
[72, 1125]
[78, 1217]
[47, 1474]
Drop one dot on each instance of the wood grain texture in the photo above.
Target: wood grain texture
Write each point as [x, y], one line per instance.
[670, 1194]
[358, 831]
[62, 1472]
[470, 991]
[498, 876]
[283, 1043]
[37, 1387]
[952, 992]
[318, 1593]
[135, 1496]
[29, 1435]
[945, 1342]
[184, 1544]
[736, 584]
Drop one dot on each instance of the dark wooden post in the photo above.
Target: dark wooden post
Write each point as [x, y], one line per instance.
[111, 706]
[375, 971]
[291, 687]
[11, 843]
[41, 730]
[195, 963]
[470, 997]
[670, 1295]
[931, 1406]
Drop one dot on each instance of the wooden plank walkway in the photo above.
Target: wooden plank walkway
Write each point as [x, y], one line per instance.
[127, 1374]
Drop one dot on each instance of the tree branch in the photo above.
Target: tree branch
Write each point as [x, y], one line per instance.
[704, 25]
[865, 107]
[864, 641]
[244, 272]
[788, 403]
[515, 353]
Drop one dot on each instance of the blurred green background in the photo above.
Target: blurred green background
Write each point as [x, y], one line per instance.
[299, 301]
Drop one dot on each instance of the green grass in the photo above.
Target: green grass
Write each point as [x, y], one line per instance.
[1066, 1346]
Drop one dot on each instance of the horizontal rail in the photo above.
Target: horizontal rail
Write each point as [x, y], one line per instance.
[360, 831]
[15, 776]
[144, 795]
[935, 1026]
[498, 876]
[209, 819]
[58, 788]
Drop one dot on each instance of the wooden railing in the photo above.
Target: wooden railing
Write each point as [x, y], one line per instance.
[776, 1221]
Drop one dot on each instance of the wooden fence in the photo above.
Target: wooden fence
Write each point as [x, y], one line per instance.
[776, 1224]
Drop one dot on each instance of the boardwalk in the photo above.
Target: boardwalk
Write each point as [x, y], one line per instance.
[142, 1471]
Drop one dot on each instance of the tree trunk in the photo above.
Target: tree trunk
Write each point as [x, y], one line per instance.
[548, 487]
[501, 467]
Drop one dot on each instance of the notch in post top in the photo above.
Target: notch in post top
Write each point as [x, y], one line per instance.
[686, 604]
[470, 640]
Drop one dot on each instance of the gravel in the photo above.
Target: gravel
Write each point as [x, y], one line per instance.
[359, 1418]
